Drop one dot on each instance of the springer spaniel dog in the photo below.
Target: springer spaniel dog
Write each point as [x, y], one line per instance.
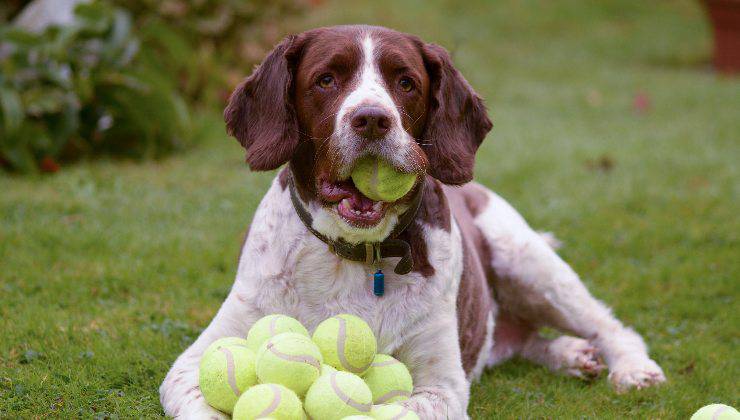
[468, 283]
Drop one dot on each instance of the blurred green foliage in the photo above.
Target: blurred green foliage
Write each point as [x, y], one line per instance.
[123, 78]
[209, 44]
[79, 89]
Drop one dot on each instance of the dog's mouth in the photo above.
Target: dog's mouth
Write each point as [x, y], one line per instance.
[350, 204]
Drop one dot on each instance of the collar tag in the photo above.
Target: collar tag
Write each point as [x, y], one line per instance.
[379, 283]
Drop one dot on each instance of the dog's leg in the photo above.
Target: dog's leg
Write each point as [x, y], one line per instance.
[567, 355]
[179, 393]
[432, 353]
[544, 290]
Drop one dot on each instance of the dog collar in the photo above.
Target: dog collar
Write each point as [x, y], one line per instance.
[370, 253]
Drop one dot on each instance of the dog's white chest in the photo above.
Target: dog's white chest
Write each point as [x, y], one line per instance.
[300, 277]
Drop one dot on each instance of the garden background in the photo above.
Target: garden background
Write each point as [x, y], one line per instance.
[123, 202]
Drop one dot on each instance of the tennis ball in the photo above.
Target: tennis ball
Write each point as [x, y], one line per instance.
[338, 395]
[327, 369]
[224, 374]
[393, 412]
[225, 341]
[389, 380]
[291, 360]
[380, 181]
[347, 343]
[270, 326]
[716, 412]
[273, 400]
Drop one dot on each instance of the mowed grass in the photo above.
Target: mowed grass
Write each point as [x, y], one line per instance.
[610, 130]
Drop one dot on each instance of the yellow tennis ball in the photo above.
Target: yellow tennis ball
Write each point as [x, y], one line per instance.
[268, 401]
[380, 181]
[224, 374]
[393, 412]
[337, 395]
[270, 326]
[347, 343]
[327, 369]
[225, 341]
[389, 380]
[716, 412]
[291, 360]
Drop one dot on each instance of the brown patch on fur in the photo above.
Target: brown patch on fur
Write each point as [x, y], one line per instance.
[474, 303]
[511, 333]
[302, 166]
[419, 251]
[474, 298]
[284, 178]
[475, 197]
[435, 209]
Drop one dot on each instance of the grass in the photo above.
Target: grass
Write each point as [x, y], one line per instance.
[109, 269]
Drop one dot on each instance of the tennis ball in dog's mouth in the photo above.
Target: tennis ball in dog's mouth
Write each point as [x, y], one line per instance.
[346, 342]
[379, 181]
[393, 412]
[716, 412]
[224, 374]
[270, 326]
[338, 395]
[268, 401]
[291, 360]
[389, 380]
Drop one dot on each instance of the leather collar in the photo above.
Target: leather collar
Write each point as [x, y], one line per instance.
[369, 253]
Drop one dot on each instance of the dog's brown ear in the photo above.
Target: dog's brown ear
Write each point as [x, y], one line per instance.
[457, 122]
[260, 113]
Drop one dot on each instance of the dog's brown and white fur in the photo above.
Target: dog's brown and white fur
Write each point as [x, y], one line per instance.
[483, 281]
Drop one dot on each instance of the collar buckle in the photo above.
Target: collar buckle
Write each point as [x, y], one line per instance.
[372, 254]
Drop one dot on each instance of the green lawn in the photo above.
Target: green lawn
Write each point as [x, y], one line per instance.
[109, 269]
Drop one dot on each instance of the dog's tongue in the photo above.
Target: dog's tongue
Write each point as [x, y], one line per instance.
[360, 202]
[335, 192]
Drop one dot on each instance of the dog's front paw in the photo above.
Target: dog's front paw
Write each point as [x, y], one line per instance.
[429, 404]
[635, 373]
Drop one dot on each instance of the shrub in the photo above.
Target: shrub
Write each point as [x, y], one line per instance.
[122, 78]
[82, 89]
[209, 44]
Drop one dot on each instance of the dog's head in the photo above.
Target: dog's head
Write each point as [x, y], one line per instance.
[328, 96]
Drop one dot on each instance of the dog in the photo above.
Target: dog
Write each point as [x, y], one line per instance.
[468, 283]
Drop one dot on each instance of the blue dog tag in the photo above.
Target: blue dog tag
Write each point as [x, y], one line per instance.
[379, 283]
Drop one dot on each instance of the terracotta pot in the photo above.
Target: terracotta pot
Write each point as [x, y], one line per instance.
[725, 18]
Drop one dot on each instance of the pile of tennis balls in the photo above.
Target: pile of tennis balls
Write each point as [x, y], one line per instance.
[280, 372]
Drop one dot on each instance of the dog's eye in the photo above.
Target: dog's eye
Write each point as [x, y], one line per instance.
[406, 84]
[326, 81]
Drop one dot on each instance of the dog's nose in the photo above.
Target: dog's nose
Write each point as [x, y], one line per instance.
[371, 122]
